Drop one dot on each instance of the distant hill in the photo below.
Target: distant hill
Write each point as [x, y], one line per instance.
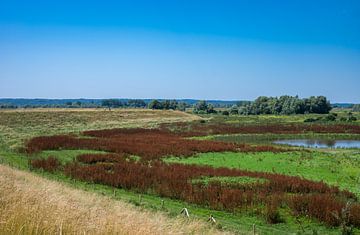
[342, 105]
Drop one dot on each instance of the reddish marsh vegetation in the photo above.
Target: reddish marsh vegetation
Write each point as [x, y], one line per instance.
[149, 144]
[50, 164]
[303, 197]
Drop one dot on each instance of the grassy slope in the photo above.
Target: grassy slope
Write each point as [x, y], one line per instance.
[17, 126]
[33, 205]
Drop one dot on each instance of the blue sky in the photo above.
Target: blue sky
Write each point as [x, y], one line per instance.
[230, 50]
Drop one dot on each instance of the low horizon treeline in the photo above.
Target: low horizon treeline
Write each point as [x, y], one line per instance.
[262, 105]
[153, 104]
[285, 105]
[288, 105]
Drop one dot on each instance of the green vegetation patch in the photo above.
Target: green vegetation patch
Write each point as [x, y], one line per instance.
[65, 156]
[229, 180]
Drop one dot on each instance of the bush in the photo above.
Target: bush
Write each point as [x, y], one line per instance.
[352, 119]
[50, 164]
[331, 117]
[226, 113]
[311, 120]
[272, 214]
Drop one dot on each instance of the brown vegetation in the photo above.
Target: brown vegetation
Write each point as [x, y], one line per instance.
[50, 164]
[149, 144]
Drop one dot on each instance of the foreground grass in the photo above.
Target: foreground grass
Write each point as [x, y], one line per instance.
[32, 205]
[341, 168]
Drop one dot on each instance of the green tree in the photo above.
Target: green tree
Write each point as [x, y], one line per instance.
[181, 106]
[111, 103]
[234, 110]
[155, 104]
[201, 106]
[137, 103]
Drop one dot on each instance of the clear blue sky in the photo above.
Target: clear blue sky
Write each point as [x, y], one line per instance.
[231, 50]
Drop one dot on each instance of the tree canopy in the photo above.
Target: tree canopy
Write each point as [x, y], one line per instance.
[287, 105]
[203, 107]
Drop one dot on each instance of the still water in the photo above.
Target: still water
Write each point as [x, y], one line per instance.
[313, 143]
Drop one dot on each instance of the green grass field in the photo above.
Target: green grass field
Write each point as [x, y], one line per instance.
[336, 167]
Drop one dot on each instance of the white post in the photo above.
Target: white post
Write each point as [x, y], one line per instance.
[185, 212]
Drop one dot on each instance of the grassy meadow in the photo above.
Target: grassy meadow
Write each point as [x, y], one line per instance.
[339, 167]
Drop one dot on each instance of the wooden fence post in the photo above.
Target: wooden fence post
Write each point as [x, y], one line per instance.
[185, 212]
[212, 219]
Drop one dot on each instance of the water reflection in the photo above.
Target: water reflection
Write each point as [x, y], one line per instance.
[316, 143]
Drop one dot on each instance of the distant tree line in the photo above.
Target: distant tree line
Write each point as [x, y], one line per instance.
[202, 107]
[116, 103]
[286, 105]
[154, 104]
[8, 106]
[167, 105]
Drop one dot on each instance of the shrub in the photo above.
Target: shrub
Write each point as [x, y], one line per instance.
[50, 164]
[330, 117]
[311, 120]
[225, 113]
[272, 215]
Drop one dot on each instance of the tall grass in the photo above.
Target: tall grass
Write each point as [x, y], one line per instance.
[32, 205]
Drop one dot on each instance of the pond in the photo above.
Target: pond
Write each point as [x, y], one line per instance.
[316, 143]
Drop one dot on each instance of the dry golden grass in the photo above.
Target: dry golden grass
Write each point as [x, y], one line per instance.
[30, 204]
